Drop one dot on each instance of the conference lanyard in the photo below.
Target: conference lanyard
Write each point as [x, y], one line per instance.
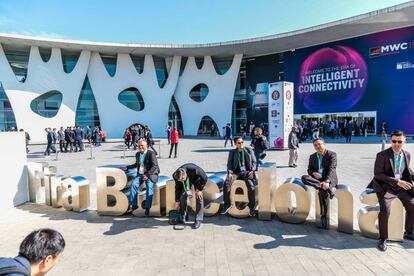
[186, 184]
[397, 163]
[320, 170]
[141, 159]
[241, 162]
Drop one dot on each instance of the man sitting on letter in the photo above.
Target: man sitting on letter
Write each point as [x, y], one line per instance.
[147, 171]
[322, 176]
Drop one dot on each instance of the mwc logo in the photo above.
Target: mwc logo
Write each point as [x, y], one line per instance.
[389, 49]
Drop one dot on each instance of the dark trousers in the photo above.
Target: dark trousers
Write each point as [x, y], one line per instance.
[62, 145]
[68, 144]
[199, 211]
[128, 143]
[227, 138]
[50, 146]
[155, 151]
[348, 138]
[250, 190]
[175, 149]
[322, 194]
[385, 200]
[78, 145]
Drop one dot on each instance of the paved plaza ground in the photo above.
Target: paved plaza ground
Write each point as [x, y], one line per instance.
[128, 245]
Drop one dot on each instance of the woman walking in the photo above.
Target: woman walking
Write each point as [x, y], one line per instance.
[174, 142]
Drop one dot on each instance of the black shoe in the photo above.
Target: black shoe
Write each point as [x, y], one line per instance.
[147, 212]
[225, 209]
[331, 192]
[324, 223]
[196, 224]
[131, 209]
[169, 156]
[291, 166]
[252, 213]
[408, 236]
[382, 245]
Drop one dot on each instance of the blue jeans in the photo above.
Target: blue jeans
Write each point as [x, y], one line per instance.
[259, 161]
[133, 192]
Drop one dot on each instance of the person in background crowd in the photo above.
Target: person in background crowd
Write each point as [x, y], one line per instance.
[150, 141]
[227, 134]
[96, 137]
[322, 176]
[168, 130]
[251, 129]
[147, 172]
[134, 135]
[127, 138]
[174, 142]
[384, 126]
[348, 131]
[187, 176]
[27, 139]
[78, 139]
[39, 252]
[315, 131]
[293, 145]
[383, 139]
[73, 137]
[55, 137]
[259, 144]
[102, 135]
[50, 145]
[88, 134]
[241, 164]
[68, 140]
[61, 136]
[393, 178]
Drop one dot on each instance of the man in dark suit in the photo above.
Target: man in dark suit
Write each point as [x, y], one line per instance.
[393, 179]
[241, 164]
[186, 176]
[147, 172]
[227, 135]
[78, 139]
[68, 140]
[322, 176]
[50, 139]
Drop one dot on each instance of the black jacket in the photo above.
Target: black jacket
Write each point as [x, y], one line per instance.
[384, 177]
[196, 176]
[234, 156]
[150, 163]
[329, 162]
[260, 144]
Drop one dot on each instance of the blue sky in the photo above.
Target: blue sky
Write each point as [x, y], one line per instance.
[173, 21]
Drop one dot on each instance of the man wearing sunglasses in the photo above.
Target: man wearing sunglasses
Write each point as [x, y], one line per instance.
[147, 172]
[241, 164]
[393, 179]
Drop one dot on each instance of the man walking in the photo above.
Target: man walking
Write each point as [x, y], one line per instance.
[227, 135]
[293, 145]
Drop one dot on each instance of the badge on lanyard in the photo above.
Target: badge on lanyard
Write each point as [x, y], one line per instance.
[397, 165]
[186, 184]
[242, 163]
[320, 169]
[141, 169]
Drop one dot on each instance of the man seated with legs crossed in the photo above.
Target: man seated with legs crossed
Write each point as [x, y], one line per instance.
[322, 176]
[393, 179]
[241, 164]
[147, 172]
[186, 176]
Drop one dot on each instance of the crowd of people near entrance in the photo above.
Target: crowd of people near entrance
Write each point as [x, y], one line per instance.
[70, 139]
[135, 133]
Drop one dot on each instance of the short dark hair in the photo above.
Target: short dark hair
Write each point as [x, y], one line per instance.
[180, 172]
[41, 243]
[397, 133]
[236, 138]
[318, 139]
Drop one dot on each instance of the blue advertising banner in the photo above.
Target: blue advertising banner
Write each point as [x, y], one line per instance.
[369, 73]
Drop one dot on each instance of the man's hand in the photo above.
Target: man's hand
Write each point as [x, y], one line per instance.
[177, 206]
[229, 177]
[250, 175]
[404, 184]
[124, 168]
[324, 185]
[198, 194]
[144, 177]
[316, 175]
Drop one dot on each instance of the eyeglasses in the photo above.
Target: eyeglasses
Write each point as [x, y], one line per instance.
[397, 141]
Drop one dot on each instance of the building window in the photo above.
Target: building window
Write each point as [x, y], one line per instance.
[7, 119]
[222, 64]
[208, 127]
[87, 110]
[160, 70]
[47, 105]
[131, 98]
[109, 62]
[45, 53]
[199, 92]
[18, 58]
[174, 116]
[138, 62]
[199, 62]
[69, 59]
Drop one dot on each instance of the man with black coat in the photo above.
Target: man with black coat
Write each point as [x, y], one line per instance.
[393, 179]
[322, 176]
[186, 176]
[78, 139]
[68, 140]
[227, 135]
[50, 141]
[241, 165]
[61, 135]
[147, 172]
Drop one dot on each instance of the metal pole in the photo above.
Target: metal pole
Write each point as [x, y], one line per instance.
[123, 150]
